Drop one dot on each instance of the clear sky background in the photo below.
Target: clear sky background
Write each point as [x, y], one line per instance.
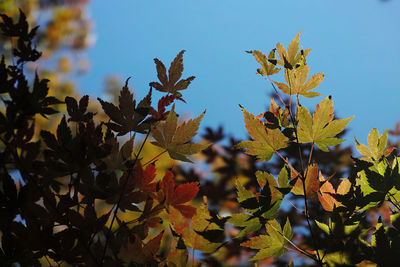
[355, 43]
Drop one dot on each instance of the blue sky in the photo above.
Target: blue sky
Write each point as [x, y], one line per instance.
[355, 43]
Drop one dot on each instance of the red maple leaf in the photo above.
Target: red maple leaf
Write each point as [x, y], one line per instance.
[140, 179]
[146, 178]
[177, 196]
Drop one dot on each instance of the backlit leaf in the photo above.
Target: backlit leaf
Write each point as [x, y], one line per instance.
[266, 141]
[321, 128]
[376, 146]
[268, 65]
[292, 57]
[178, 196]
[246, 222]
[271, 244]
[297, 83]
[176, 139]
[311, 182]
[189, 231]
[171, 84]
[326, 192]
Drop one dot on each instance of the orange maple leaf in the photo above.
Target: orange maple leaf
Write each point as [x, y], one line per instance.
[325, 192]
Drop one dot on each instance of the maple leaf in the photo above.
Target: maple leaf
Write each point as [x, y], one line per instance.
[32, 101]
[271, 244]
[77, 112]
[177, 257]
[292, 58]
[164, 102]
[176, 197]
[191, 232]
[377, 181]
[142, 179]
[171, 84]
[266, 141]
[321, 128]
[246, 222]
[275, 117]
[333, 227]
[137, 252]
[263, 204]
[146, 178]
[127, 116]
[176, 139]
[326, 192]
[297, 83]
[116, 159]
[376, 146]
[311, 182]
[268, 65]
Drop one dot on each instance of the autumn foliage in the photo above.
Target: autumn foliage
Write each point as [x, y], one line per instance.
[83, 193]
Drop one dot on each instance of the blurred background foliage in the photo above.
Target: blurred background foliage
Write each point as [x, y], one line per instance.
[64, 36]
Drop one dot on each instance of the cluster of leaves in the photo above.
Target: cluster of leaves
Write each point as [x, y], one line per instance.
[83, 195]
[75, 195]
[350, 220]
[372, 182]
[65, 29]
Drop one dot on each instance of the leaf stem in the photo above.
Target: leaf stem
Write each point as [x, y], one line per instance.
[276, 91]
[311, 151]
[294, 206]
[154, 158]
[287, 163]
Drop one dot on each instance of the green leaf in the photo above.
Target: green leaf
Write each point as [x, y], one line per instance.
[275, 249]
[271, 244]
[283, 178]
[321, 127]
[376, 146]
[270, 197]
[266, 141]
[337, 259]
[324, 227]
[249, 223]
[287, 229]
[243, 196]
